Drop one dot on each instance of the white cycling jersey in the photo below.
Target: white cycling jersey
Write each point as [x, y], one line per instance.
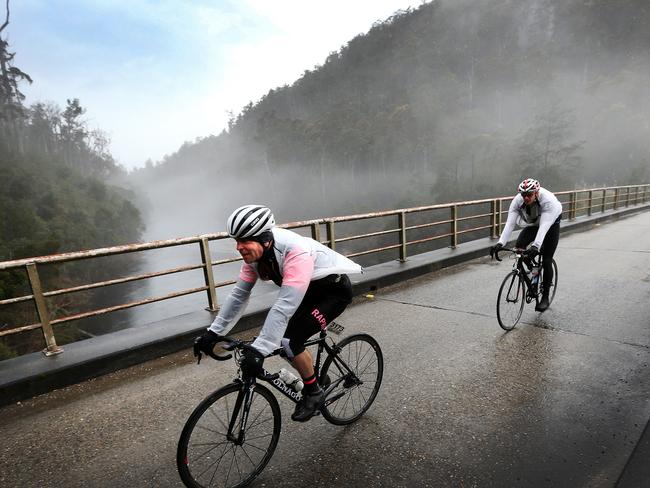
[300, 261]
[543, 213]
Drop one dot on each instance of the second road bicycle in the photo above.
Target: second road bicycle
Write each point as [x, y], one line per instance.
[522, 285]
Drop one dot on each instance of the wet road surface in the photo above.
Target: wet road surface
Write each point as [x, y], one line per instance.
[561, 400]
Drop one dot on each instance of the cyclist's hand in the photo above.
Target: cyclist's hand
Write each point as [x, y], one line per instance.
[205, 343]
[495, 249]
[531, 252]
[251, 362]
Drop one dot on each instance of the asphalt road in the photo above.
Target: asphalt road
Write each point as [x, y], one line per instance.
[562, 400]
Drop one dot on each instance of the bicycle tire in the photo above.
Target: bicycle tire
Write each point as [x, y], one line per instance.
[553, 289]
[509, 307]
[203, 447]
[363, 356]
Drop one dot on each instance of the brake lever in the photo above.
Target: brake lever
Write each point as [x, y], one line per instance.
[230, 346]
[197, 353]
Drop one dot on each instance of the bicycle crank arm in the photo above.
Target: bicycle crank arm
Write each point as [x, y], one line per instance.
[330, 400]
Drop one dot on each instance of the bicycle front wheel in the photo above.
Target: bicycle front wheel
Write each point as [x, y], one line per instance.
[510, 301]
[209, 456]
[355, 371]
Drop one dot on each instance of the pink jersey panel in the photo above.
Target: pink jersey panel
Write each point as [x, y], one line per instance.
[247, 273]
[298, 269]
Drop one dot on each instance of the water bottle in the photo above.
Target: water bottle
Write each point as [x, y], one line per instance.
[534, 275]
[291, 379]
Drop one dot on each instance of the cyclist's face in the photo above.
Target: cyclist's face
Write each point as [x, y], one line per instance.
[250, 251]
[529, 197]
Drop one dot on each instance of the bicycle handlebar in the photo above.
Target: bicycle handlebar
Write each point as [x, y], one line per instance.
[231, 345]
[519, 252]
[496, 254]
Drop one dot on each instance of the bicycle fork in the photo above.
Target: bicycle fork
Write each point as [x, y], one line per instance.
[244, 401]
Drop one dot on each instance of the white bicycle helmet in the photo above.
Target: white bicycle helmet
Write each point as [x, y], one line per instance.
[249, 221]
[529, 185]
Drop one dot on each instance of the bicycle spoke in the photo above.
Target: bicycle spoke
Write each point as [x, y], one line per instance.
[214, 414]
[202, 427]
[216, 461]
[237, 463]
[230, 467]
[258, 437]
[249, 458]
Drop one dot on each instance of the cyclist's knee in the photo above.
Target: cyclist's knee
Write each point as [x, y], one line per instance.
[292, 347]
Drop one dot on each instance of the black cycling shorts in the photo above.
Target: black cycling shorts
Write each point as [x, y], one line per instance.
[324, 301]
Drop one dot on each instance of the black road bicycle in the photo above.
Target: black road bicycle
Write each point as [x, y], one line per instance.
[232, 434]
[521, 286]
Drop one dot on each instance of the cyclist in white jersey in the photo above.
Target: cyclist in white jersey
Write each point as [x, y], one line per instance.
[540, 212]
[314, 290]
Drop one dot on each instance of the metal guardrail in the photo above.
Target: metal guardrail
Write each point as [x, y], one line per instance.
[575, 203]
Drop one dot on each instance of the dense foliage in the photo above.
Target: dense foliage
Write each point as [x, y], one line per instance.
[454, 99]
[54, 195]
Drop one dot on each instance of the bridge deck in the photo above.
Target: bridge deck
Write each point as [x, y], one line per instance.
[562, 400]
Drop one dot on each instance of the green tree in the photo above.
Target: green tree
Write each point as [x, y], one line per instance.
[12, 110]
[548, 149]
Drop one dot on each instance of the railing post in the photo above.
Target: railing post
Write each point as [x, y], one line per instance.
[43, 314]
[315, 231]
[627, 197]
[454, 226]
[402, 236]
[499, 205]
[572, 199]
[493, 219]
[591, 197]
[330, 235]
[615, 198]
[213, 306]
[604, 205]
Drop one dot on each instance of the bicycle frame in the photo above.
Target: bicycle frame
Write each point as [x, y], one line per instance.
[248, 384]
[331, 350]
[531, 288]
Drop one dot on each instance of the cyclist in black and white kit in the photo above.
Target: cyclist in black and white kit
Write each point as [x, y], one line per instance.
[314, 290]
[540, 211]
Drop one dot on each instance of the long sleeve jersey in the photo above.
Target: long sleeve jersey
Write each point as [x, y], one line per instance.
[300, 261]
[543, 213]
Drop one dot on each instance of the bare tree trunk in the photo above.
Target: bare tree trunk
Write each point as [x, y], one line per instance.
[6, 23]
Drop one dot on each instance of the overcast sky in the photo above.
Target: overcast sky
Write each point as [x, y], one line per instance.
[155, 73]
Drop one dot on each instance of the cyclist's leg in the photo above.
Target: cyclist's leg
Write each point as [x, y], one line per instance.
[324, 301]
[548, 251]
[526, 236]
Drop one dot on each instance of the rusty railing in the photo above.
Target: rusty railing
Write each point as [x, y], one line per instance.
[453, 223]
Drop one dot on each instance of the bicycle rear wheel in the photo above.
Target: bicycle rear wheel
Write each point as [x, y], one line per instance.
[510, 301]
[553, 287]
[356, 372]
[207, 457]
